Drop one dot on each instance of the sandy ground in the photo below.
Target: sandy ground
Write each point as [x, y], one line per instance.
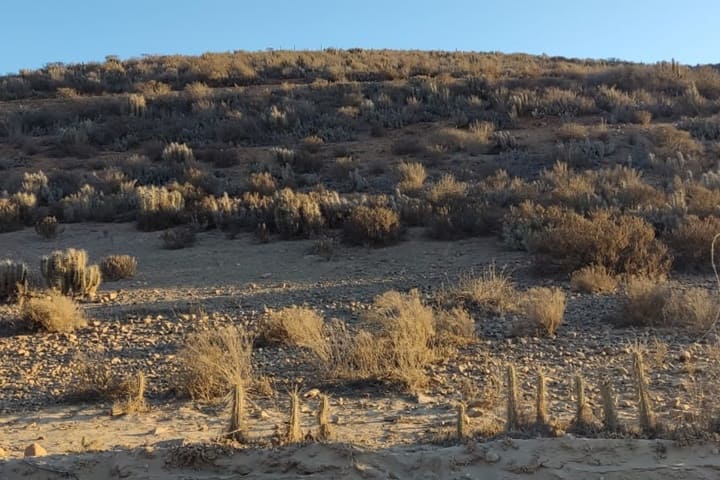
[392, 435]
[565, 458]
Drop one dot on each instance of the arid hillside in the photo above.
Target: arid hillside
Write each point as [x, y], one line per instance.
[391, 249]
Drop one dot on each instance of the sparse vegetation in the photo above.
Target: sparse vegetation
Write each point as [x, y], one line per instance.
[118, 267]
[544, 308]
[69, 273]
[593, 279]
[53, 312]
[48, 228]
[664, 304]
[212, 362]
[374, 147]
[372, 226]
[13, 279]
[178, 237]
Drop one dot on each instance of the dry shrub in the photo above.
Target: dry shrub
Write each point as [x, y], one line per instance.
[48, 228]
[159, 208]
[405, 333]
[691, 242]
[407, 146]
[53, 312]
[571, 131]
[695, 308]
[454, 326]
[295, 326]
[212, 362]
[312, 144]
[593, 279]
[95, 377]
[118, 267]
[475, 140]
[647, 303]
[490, 292]
[641, 117]
[177, 153]
[372, 226]
[262, 183]
[446, 190]
[412, 177]
[178, 237]
[621, 243]
[352, 355]
[399, 338]
[544, 308]
[668, 141]
[297, 214]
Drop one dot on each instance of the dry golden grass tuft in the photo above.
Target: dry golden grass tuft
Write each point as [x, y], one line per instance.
[372, 226]
[492, 291]
[412, 177]
[454, 326]
[212, 362]
[405, 332]
[571, 131]
[262, 183]
[118, 267]
[399, 338]
[297, 327]
[53, 312]
[544, 307]
[445, 190]
[593, 279]
[648, 303]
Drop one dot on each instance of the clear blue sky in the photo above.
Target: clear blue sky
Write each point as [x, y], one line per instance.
[35, 32]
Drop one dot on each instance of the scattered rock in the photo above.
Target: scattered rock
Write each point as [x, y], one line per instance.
[312, 393]
[35, 450]
[492, 457]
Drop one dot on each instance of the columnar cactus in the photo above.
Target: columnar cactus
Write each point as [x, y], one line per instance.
[13, 276]
[69, 273]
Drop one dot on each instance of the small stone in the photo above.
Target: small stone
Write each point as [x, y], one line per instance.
[263, 415]
[685, 356]
[423, 399]
[312, 393]
[492, 457]
[35, 450]
[3, 453]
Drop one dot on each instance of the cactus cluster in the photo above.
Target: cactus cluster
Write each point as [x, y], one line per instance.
[69, 273]
[13, 277]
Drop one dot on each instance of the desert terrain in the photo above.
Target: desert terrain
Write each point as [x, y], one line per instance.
[363, 264]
